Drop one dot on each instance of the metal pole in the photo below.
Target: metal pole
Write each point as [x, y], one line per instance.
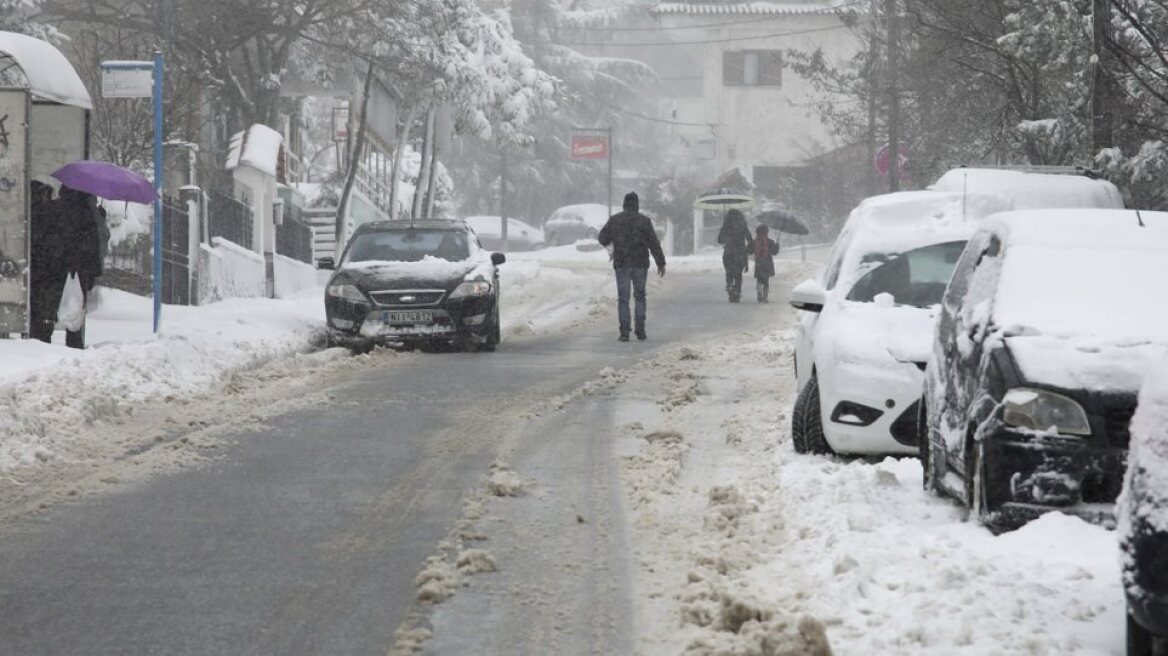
[893, 96]
[158, 126]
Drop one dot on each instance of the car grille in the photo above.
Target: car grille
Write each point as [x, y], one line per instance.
[408, 297]
[1118, 430]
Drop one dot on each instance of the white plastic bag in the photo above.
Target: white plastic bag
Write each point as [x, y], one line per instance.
[71, 311]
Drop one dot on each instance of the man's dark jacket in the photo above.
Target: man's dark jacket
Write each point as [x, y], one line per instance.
[632, 238]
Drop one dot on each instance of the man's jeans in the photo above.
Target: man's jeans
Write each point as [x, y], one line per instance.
[635, 276]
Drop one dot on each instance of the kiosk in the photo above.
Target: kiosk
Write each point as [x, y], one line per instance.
[44, 124]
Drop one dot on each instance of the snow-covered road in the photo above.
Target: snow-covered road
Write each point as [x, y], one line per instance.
[567, 494]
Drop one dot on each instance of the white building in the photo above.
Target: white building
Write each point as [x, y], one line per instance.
[730, 88]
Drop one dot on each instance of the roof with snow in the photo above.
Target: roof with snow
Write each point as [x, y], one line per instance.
[49, 73]
[259, 147]
[753, 8]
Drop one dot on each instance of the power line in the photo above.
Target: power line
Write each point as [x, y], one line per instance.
[702, 42]
[654, 119]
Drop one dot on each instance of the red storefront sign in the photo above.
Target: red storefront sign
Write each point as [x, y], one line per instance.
[589, 146]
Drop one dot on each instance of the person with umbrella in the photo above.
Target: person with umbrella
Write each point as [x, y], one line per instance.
[82, 224]
[83, 240]
[736, 246]
[765, 250]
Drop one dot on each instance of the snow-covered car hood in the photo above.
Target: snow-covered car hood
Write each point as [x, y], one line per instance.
[1085, 363]
[866, 332]
[430, 271]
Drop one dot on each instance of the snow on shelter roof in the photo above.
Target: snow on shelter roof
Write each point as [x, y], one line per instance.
[258, 147]
[755, 8]
[49, 73]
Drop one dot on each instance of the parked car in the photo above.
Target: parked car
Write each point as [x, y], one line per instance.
[1034, 188]
[423, 281]
[1047, 328]
[867, 321]
[520, 236]
[572, 223]
[1143, 521]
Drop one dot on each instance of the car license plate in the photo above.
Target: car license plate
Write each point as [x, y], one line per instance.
[407, 317]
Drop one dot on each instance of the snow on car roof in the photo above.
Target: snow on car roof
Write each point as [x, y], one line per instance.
[487, 224]
[1029, 190]
[901, 221]
[594, 214]
[1084, 290]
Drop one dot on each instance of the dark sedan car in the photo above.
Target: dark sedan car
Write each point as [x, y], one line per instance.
[425, 281]
[1043, 340]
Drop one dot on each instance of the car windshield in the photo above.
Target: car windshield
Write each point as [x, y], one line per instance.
[916, 278]
[409, 246]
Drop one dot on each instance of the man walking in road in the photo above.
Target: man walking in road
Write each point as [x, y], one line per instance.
[632, 238]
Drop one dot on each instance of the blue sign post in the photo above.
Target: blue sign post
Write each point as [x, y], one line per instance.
[143, 79]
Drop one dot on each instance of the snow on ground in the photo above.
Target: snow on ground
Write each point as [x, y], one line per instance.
[744, 547]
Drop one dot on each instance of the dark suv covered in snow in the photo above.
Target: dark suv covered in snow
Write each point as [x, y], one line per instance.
[1048, 326]
[423, 281]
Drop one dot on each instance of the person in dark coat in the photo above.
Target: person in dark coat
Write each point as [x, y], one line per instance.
[88, 238]
[48, 243]
[736, 247]
[765, 250]
[633, 239]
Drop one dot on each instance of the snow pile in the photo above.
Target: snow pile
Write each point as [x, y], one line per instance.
[127, 219]
[49, 394]
[538, 298]
[747, 548]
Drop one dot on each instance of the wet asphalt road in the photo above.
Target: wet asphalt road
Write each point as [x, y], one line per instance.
[305, 537]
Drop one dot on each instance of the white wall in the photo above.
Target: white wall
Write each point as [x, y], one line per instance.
[228, 270]
[293, 276]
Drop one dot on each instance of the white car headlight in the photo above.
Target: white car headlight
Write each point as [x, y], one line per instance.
[1040, 410]
[347, 292]
[471, 289]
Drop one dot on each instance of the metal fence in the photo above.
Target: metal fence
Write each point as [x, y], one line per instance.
[229, 219]
[176, 261]
[294, 240]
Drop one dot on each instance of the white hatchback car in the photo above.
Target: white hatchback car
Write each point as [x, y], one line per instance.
[867, 321]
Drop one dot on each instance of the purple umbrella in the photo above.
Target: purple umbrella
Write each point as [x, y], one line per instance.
[106, 180]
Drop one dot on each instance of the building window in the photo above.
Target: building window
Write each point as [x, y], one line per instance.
[752, 68]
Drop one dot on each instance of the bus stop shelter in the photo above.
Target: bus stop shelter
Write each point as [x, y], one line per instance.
[44, 124]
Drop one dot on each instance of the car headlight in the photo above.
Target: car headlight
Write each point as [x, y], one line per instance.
[347, 292]
[471, 289]
[1041, 411]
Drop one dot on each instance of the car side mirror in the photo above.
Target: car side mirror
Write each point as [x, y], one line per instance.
[326, 264]
[498, 258]
[808, 296]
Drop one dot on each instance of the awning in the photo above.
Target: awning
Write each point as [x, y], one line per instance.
[724, 201]
[48, 72]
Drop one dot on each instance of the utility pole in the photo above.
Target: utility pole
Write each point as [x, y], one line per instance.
[873, 54]
[1102, 98]
[503, 198]
[893, 96]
